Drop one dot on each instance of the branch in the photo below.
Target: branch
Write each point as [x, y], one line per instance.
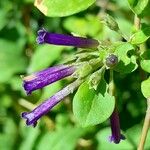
[145, 127]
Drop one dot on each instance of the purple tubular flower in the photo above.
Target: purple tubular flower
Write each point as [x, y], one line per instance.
[38, 112]
[115, 128]
[45, 77]
[68, 40]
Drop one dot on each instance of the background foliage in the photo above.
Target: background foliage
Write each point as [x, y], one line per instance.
[20, 55]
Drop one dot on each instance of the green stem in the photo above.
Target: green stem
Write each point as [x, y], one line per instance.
[145, 127]
[111, 84]
[137, 22]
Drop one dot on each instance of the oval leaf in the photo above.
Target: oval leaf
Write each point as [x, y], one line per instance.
[138, 6]
[145, 65]
[44, 51]
[59, 8]
[141, 36]
[126, 64]
[145, 88]
[91, 108]
[51, 140]
[89, 25]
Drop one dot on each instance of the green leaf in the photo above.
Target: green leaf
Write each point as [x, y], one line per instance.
[91, 107]
[90, 25]
[108, 34]
[126, 64]
[145, 88]
[125, 26]
[6, 101]
[29, 136]
[9, 135]
[59, 8]
[130, 143]
[140, 36]
[133, 134]
[51, 89]
[111, 23]
[145, 65]
[104, 144]
[28, 1]
[138, 6]
[16, 83]
[12, 61]
[44, 56]
[66, 138]
[5, 8]
[62, 120]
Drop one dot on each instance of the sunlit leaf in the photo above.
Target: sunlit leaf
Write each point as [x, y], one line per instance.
[90, 25]
[126, 63]
[91, 107]
[140, 36]
[59, 8]
[44, 56]
[12, 61]
[145, 87]
[65, 138]
[145, 65]
[138, 6]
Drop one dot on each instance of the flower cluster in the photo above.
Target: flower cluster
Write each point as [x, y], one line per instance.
[87, 61]
[45, 77]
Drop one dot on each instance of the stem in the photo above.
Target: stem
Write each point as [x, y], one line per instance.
[111, 84]
[145, 127]
[103, 5]
[137, 22]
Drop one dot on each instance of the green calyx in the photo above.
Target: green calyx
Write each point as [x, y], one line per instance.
[95, 78]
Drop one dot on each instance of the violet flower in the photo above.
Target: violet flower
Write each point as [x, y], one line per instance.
[115, 128]
[68, 40]
[45, 77]
[38, 112]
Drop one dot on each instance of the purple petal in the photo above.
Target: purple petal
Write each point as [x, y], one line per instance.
[115, 128]
[43, 78]
[38, 112]
[41, 35]
[68, 40]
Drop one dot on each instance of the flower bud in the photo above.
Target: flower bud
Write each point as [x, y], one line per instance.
[111, 60]
[111, 23]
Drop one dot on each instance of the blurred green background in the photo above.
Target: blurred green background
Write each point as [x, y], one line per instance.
[20, 55]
